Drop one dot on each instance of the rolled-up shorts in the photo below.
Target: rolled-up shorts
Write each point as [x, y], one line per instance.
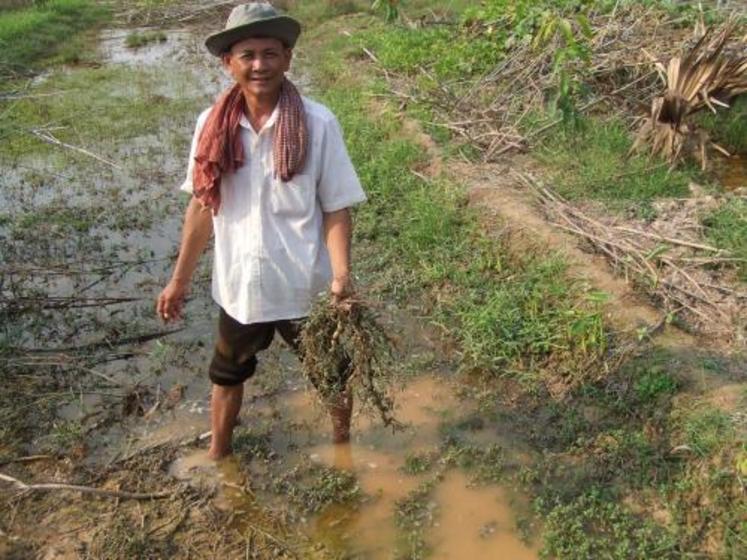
[235, 355]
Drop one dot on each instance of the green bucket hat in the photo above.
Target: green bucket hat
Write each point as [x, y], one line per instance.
[255, 19]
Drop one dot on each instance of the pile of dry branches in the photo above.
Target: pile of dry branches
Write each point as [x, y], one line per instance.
[679, 271]
[345, 348]
[491, 112]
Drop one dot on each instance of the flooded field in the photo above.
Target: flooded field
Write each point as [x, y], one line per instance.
[90, 234]
[548, 407]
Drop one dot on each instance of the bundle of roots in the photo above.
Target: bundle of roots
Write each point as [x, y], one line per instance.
[708, 76]
[344, 348]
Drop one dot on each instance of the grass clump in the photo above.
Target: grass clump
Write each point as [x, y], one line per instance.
[135, 39]
[654, 382]
[439, 51]
[32, 34]
[591, 162]
[313, 487]
[728, 127]
[708, 429]
[591, 527]
[726, 228]
[344, 348]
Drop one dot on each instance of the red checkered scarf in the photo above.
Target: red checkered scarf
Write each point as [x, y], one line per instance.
[220, 149]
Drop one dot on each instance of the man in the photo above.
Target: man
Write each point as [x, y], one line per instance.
[272, 181]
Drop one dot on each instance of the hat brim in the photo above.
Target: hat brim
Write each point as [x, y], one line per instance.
[284, 28]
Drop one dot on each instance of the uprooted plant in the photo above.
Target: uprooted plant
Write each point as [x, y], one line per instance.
[345, 348]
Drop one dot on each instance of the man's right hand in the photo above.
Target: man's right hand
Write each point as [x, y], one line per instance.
[171, 301]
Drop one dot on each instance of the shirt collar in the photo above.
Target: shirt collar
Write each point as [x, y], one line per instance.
[244, 121]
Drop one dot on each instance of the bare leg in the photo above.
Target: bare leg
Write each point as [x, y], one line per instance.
[225, 403]
[340, 411]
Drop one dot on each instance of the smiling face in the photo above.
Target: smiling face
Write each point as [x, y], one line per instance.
[258, 65]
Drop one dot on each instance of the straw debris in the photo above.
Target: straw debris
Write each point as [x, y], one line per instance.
[708, 76]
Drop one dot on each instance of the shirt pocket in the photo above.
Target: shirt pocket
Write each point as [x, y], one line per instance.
[294, 198]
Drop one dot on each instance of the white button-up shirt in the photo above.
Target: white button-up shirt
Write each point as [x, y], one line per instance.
[270, 257]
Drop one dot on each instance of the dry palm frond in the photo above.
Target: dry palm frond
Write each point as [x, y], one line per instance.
[707, 76]
[345, 348]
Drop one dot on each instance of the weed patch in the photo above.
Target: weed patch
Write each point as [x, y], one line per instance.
[592, 162]
[726, 228]
[728, 127]
[136, 39]
[592, 527]
[507, 311]
[99, 109]
[413, 515]
[310, 488]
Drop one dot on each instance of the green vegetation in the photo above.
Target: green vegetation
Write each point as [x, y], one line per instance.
[726, 228]
[312, 487]
[592, 162]
[728, 127]
[707, 430]
[415, 513]
[591, 527]
[137, 39]
[35, 33]
[509, 310]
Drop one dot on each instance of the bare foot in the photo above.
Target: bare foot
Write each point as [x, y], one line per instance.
[197, 468]
[218, 454]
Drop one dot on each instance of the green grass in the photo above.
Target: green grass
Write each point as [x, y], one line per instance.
[593, 163]
[728, 128]
[513, 313]
[708, 429]
[413, 515]
[30, 35]
[136, 39]
[436, 50]
[726, 228]
[508, 310]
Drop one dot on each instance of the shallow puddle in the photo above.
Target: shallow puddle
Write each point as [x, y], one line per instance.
[732, 172]
[476, 522]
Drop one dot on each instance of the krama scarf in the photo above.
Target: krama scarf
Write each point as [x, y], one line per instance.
[220, 149]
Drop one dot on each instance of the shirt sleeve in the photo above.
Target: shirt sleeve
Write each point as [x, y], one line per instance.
[187, 185]
[338, 185]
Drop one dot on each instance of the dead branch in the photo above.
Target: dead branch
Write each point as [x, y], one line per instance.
[47, 486]
[139, 339]
[670, 268]
[49, 138]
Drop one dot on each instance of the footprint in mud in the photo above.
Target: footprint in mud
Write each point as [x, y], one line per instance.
[223, 478]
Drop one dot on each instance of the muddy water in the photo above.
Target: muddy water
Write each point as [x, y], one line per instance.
[476, 522]
[472, 521]
[732, 172]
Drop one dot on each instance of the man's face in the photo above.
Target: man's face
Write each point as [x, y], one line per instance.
[258, 64]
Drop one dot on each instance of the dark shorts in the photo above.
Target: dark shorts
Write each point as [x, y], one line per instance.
[234, 358]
